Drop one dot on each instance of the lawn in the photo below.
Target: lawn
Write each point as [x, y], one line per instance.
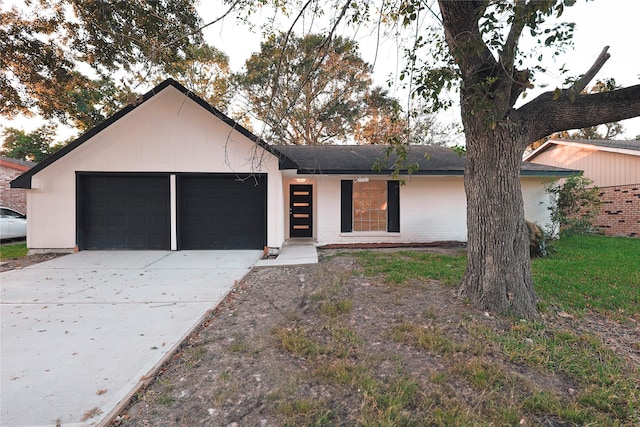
[9, 251]
[591, 272]
[583, 272]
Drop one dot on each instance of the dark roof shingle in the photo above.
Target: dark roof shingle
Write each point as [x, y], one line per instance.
[608, 143]
[373, 159]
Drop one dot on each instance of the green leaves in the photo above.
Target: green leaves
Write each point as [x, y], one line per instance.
[576, 205]
[313, 90]
[205, 70]
[34, 146]
[40, 51]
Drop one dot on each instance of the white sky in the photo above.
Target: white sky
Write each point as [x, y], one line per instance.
[599, 23]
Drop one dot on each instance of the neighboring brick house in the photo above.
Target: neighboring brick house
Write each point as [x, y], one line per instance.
[613, 166]
[13, 198]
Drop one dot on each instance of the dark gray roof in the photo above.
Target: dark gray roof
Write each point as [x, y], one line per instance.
[608, 143]
[373, 159]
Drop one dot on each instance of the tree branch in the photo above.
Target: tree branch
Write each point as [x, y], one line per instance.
[460, 21]
[202, 27]
[518, 79]
[554, 114]
[555, 111]
[583, 81]
[508, 54]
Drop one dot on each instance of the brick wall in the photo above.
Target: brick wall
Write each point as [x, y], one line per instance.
[620, 211]
[11, 197]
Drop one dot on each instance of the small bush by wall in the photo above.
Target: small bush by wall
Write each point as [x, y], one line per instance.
[575, 205]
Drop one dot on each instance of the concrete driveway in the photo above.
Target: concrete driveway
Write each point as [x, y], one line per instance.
[79, 332]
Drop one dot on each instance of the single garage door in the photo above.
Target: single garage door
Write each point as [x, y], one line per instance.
[123, 212]
[222, 211]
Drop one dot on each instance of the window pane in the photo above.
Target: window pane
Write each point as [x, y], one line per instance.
[370, 206]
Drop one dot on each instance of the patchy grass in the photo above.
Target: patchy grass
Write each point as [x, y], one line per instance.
[404, 266]
[298, 342]
[605, 387]
[430, 338]
[585, 272]
[591, 272]
[194, 356]
[305, 412]
[336, 308]
[475, 383]
[16, 251]
[393, 349]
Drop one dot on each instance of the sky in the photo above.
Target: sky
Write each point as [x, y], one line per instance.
[599, 23]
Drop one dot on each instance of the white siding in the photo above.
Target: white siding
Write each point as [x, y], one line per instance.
[168, 133]
[536, 201]
[432, 209]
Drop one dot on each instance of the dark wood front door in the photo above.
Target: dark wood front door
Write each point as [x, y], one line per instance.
[300, 211]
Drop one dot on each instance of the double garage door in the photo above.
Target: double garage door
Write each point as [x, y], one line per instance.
[143, 211]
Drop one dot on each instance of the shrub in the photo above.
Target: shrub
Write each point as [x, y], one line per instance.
[576, 205]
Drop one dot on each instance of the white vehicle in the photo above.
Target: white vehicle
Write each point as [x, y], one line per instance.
[13, 224]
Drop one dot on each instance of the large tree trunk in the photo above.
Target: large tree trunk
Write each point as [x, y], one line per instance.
[498, 274]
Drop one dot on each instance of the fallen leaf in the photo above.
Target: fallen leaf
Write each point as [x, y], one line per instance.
[91, 413]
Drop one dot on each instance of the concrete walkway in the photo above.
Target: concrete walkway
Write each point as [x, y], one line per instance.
[298, 251]
[79, 332]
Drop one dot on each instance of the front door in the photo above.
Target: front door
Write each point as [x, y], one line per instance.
[300, 211]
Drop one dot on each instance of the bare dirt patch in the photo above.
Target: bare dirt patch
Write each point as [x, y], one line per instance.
[28, 260]
[327, 345]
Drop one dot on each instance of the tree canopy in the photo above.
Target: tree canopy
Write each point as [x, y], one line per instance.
[314, 90]
[33, 146]
[205, 70]
[46, 42]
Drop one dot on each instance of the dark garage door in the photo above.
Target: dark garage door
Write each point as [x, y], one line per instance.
[222, 211]
[123, 212]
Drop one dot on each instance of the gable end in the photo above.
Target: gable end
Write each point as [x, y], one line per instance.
[24, 180]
